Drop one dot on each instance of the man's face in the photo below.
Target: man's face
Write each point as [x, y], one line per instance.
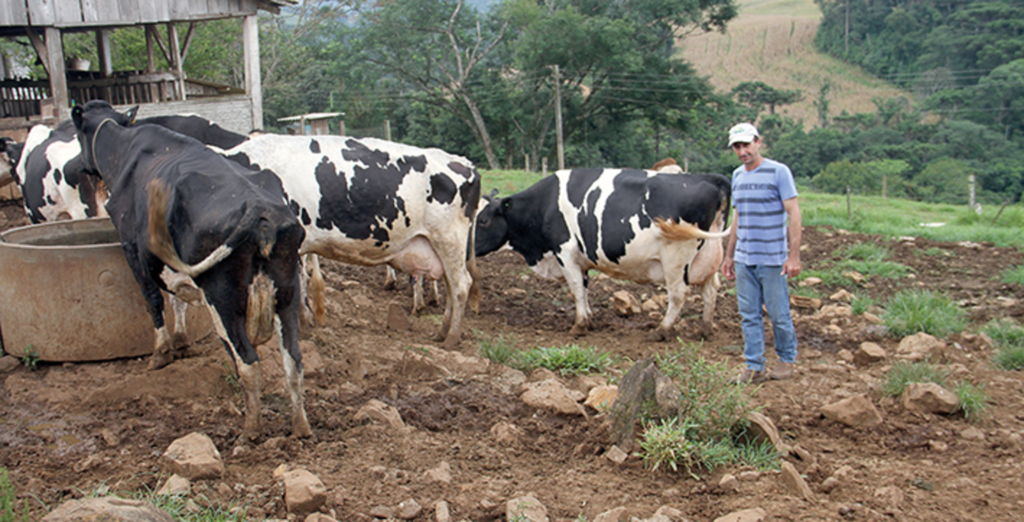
[748, 153]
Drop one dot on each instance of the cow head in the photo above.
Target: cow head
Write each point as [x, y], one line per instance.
[10, 152]
[89, 117]
[492, 226]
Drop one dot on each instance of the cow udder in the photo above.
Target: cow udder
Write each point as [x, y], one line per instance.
[418, 258]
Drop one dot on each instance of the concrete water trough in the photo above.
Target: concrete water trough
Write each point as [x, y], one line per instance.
[66, 294]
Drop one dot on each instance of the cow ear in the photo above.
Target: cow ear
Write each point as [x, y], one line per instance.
[131, 114]
[76, 116]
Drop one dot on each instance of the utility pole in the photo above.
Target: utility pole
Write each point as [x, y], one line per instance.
[558, 119]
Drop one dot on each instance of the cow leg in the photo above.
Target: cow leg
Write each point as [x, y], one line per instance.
[574, 277]
[457, 283]
[163, 346]
[390, 279]
[229, 322]
[316, 299]
[675, 258]
[437, 294]
[709, 293]
[284, 273]
[180, 338]
[417, 294]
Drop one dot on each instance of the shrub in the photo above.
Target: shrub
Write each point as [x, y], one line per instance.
[913, 311]
[8, 513]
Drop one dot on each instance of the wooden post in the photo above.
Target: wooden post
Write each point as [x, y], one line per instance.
[387, 130]
[58, 75]
[526, 162]
[341, 127]
[106, 65]
[544, 166]
[175, 48]
[970, 191]
[558, 121]
[154, 90]
[849, 211]
[251, 51]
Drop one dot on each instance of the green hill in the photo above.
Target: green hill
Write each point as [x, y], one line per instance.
[773, 41]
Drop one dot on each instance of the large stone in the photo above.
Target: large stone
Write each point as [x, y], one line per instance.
[746, 515]
[919, 347]
[601, 398]
[928, 397]
[442, 473]
[643, 387]
[408, 509]
[612, 515]
[624, 303]
[868, 353]
[303, 492]
[526, 509]
[377, 411]
[175, 485]
[194, 457]
[551, 395]
[107, 509]
[761, 429]
[796, 483]
[857, 412]
[398, 318]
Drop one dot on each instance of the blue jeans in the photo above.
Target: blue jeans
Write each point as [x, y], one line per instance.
[757, 285]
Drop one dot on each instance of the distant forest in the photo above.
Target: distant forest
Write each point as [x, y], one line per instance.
[484, 81]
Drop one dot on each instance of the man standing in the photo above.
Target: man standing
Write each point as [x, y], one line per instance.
[763, 252]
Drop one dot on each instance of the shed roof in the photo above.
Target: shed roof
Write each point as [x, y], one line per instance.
[70, 15]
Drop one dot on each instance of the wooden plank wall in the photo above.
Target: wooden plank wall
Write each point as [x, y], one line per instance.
[77, 13]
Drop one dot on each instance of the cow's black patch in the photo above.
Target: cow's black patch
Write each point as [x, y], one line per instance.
[462, 170]
[442, 189]
[242, 159]
[529, 221]
[627, 199]
[314, 146]
[304, 216]
[588, 222]
[579, 183]
[470, 192]
[356, 207]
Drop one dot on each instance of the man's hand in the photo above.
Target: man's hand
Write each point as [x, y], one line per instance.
[729, 268]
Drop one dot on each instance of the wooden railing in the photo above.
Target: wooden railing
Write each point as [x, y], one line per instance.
[20, 98]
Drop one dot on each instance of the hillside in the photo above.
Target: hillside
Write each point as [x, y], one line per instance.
[773, 41]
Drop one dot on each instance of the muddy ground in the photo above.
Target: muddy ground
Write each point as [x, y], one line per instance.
[68, 430]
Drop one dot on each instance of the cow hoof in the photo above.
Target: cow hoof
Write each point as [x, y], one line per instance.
[179, 341]
[658, 336]
[159, 360]
[452, 343]
[578, 331]
[301, 429]
[707, 332]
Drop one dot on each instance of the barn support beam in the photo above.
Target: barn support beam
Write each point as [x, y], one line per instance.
[251, 52]
[58, 75]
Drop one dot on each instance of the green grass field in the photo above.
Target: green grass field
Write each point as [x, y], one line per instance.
[890, 217]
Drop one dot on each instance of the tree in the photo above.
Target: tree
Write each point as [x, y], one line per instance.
[435, 48]
[759, 94]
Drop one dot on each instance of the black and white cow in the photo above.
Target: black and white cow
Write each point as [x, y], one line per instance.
[10, 153]
[53, 182]
[630, 224]
[367, 201]
[176, 203]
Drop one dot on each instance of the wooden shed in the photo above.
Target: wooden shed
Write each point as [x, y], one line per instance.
[24, 103]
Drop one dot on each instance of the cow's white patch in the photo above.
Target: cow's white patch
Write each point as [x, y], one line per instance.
[548, 267]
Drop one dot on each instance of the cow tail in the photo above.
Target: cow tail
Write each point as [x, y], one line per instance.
[316, 290]
[684, 231]
[474, 272]
[162, 246]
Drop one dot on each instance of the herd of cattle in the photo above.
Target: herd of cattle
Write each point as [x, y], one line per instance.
[225, 220]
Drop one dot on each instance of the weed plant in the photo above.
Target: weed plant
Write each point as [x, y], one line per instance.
[8, 512]
[805, 291]
[710, 429]
[882, 269]
[971, 400]
[1013, 275]
[566, 360]
[911, 311]
[865, 252]
[499, 349]
[903, 373]
[1009, 338]
[861, 304]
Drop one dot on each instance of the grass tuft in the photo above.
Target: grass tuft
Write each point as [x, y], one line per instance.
[903, 373]
[972, 400]
[861, 304]
[1009, 338]
[1013, 275]
[913, 311]
[499, 349]
[566, 360]
[8, 511]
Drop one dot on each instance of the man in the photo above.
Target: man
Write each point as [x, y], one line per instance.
[763, 252]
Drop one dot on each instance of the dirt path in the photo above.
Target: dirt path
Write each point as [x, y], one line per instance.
[68, 430]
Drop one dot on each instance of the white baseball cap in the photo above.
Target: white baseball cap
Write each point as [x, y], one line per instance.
[742, 133]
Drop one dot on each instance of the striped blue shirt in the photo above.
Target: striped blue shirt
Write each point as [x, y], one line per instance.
[757, 195]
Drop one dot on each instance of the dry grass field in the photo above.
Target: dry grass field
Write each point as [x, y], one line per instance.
[773, 41]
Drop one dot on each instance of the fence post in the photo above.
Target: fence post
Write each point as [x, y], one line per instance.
[970, 186]
[387, 130]
[849, 212]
